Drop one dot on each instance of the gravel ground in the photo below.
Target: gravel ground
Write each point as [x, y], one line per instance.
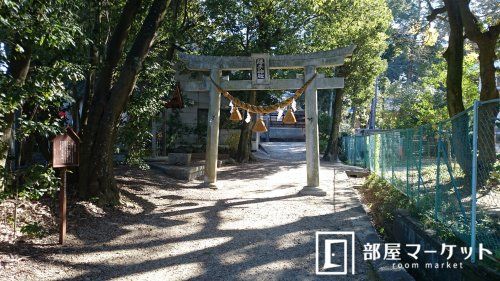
[254, 227]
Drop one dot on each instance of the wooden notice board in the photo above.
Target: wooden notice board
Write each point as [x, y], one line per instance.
[65, 154]
[65, 150]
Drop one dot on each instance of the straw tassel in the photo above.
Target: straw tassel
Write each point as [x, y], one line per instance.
[259, 126]
[235, 115]
[289, 117]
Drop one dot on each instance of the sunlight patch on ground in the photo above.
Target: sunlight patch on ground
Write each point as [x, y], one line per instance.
[233, 257]
[139, 255]
[268, 271]
[187, 271]
[273, 217]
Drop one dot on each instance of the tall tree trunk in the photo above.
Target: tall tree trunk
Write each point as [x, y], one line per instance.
[332, 150]
[487, 113]
[94, 56]
[337, 117]
[19, 64]
[88, 164]
[487, 58]
[486, 42]
[454, 56]
[245, 142]
[327, 154]
[96, 171]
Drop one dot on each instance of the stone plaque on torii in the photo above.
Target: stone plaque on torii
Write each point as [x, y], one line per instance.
[260, 64]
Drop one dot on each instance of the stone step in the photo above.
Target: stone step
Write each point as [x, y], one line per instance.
[187, 173]
[357, 173]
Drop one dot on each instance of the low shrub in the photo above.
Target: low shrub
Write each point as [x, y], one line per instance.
[383, 200]
[33, 230]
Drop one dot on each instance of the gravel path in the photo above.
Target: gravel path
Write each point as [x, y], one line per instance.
[254, 227]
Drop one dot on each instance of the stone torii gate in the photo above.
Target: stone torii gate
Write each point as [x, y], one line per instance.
[260, 64]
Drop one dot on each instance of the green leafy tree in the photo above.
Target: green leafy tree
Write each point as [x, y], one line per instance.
[34, 36]
[364, 24]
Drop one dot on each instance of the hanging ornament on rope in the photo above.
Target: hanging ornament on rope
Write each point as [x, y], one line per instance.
[260, 126]
[280, 114]
[249, 118]
[289, 117]
[294, 105]
[235, 115]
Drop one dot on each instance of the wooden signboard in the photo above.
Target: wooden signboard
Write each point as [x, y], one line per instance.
[65, 150]
[65, 154]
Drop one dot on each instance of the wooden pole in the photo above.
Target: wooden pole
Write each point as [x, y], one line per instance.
[62, 207]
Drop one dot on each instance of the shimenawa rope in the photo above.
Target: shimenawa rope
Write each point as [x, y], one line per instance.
[265, 109]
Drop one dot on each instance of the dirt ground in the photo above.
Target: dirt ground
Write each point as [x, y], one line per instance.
[254, 227]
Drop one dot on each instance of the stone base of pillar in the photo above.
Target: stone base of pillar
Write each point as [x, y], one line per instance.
[211, 185]
[312, 191]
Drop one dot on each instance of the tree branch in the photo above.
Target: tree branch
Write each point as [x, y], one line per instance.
[435, 13]
[114, 50]
[136, 55]
[494, 30]
[470, 21]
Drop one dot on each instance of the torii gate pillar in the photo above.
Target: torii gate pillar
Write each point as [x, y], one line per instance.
[213, 131]
[312, 136]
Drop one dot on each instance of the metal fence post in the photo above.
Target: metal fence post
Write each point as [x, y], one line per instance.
[408, 154]
[437, 195]
[474, 183]
[419, 167]
[382, 155]
[393, 155]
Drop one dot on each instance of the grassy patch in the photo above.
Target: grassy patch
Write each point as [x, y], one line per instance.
[384, 200]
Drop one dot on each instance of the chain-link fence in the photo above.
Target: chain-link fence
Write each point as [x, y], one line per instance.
[451, 170]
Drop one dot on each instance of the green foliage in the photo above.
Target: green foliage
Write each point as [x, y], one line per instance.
[176, 129]
[407, 104]
[34, 230]
[232, 141]
[42, 95]
[43, 31]
[494, 179]
[153, 89]
[35, 182]
[362, 23]
[383, 200]
[50, 23]
[297, 26]
[137, 160]
[324, 125]
[38, 181]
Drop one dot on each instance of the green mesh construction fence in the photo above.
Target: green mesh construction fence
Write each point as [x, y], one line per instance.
[451, 170]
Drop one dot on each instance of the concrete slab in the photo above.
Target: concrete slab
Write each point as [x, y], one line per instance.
[187, 173]
[358, 173]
